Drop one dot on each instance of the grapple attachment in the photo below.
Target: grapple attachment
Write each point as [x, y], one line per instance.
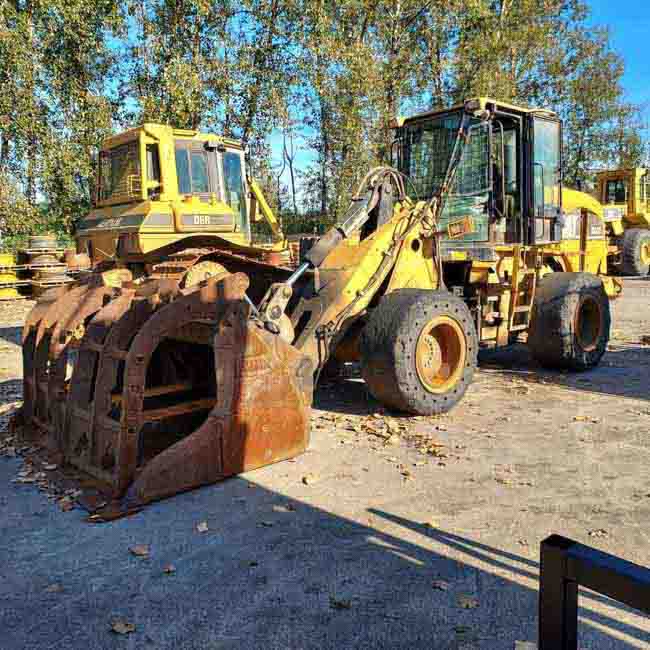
[144, 391]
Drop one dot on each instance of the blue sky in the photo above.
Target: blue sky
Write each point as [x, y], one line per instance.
[629, 25]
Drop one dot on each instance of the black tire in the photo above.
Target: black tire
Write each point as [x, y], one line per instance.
[634, 243]
[570, 321]
[390, 342]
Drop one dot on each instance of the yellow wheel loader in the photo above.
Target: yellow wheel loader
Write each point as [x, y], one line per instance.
[154, 387]
[625, 195]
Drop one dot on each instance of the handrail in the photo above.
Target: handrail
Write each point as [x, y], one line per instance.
[564, 566]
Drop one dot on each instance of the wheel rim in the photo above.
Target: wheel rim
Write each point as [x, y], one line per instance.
[440, 354]
[588, 326]
[645, 252]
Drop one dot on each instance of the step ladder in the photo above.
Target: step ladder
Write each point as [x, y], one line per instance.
[523, 286]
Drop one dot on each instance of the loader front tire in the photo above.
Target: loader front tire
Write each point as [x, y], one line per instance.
[419, 350]
[636, 252]
[570, 322]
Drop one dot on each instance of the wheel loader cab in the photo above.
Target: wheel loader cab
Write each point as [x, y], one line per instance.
[625, 193]
[507, 188]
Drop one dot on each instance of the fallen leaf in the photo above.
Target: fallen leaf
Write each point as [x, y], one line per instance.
[336, 603]
[169, 568]
[54, 588]
[467, 602]
[309, 479]
[122, 627]
[140, 550]
[392, 426]
[267, 524]
[440, 585]
[599, 532]
[288, 507]
[202, 527]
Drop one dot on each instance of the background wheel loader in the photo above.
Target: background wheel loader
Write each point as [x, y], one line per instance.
[157, 386]
[625, 195]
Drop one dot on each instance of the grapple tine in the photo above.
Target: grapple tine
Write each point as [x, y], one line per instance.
[29, 338]
[56, 334]
[94, 348]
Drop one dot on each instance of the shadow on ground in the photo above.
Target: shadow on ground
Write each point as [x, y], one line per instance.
[11, 335]
[623, 372]
[271, 572]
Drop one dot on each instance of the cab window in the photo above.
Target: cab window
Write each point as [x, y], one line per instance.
[234, 185]
[192, 171]
[153, 171]
[616, 192]
[153, 163]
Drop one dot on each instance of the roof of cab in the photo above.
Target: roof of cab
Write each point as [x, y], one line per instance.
[477, 103]
[160, 131]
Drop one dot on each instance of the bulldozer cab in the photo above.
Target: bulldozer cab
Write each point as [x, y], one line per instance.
[157, 185]
[625, 193]
[508, 185]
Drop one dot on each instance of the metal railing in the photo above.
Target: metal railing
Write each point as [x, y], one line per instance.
[564, 566]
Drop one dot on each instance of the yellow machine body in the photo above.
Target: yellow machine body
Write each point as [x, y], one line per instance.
[158, 185]
[625, 196]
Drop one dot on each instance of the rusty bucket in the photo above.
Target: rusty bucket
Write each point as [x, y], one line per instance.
[139, 393]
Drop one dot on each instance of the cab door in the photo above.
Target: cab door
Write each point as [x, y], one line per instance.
[546, 180]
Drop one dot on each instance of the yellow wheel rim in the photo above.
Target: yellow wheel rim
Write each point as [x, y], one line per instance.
[588, 324]
[645, 252]
[440, 354]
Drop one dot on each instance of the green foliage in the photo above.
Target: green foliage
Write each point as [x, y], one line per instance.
[328, 76]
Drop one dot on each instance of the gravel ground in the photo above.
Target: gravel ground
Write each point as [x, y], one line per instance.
[412, 533]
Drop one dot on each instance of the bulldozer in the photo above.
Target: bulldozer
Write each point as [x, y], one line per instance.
[625, 196]
[165, 198]
[157, 386]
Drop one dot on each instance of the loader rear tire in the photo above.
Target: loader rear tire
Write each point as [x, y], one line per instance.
[636, 252]
[419, 350]
[570, 322]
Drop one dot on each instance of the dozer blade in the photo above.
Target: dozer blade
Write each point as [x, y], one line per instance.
[171, 389]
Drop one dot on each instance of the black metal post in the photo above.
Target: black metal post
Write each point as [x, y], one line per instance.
[558, 597]
[564, 565]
